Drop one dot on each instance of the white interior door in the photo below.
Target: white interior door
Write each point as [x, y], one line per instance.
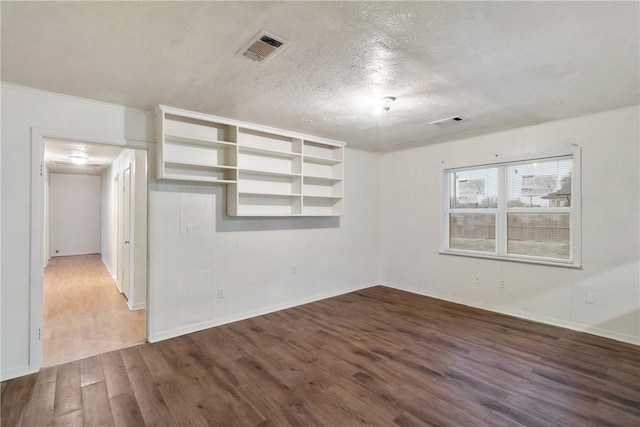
[126, 235]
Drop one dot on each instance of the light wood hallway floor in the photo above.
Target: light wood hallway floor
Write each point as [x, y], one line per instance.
[84, 314]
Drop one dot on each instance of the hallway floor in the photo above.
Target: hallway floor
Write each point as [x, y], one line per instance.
[84, 314]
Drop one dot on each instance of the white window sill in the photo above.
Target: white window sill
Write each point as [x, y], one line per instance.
[567, 264]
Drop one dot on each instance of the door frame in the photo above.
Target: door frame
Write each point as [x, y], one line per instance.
[123, 218]
[36, 261]
[116, 204]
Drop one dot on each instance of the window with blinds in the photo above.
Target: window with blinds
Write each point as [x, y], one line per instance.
[473, 203]
[522, 210]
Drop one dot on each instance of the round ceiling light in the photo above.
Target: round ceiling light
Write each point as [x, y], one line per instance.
[386, 102]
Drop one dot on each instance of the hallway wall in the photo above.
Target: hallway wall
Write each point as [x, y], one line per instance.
[111, 251]
[75, 214]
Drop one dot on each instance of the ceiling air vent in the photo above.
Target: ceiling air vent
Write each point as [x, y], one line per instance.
[443, 123]
[263, 46]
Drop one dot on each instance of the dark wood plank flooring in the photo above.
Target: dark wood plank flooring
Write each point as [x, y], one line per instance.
[375, 357]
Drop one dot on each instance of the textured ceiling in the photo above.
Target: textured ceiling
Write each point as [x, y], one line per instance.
[499, 64]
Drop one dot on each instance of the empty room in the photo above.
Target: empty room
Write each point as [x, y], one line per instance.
[321, 213]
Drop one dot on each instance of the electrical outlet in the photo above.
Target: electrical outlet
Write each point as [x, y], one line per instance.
[221, 293]
[503, 285]
[294, 269]
[591, 297]
[477, 281]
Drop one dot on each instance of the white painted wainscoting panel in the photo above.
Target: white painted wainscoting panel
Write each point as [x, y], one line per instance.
[182, 239]
[410, 228]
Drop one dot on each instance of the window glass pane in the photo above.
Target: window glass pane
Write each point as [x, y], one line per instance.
[539, 234]
[545, 184]
[474, 188]
[472, 231]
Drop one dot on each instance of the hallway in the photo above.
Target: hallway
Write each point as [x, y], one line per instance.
[84, 314]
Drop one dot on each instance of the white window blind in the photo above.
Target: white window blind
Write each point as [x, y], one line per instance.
[521, 210]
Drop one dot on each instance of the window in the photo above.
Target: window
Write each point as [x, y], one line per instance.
[524, 210]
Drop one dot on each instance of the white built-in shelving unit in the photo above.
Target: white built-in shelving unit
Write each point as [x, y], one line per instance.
[191, 147]
[270, 172]
[323, 177]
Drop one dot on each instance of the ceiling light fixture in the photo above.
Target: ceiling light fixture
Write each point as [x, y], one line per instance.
[383, 105]
[386, 103]
[79, 160]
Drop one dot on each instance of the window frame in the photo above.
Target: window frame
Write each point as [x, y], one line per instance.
[502, 210]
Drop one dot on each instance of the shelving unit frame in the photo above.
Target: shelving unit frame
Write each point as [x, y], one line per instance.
[195, 147]
[269, 172]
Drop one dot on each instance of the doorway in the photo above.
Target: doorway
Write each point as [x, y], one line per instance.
[94, 280]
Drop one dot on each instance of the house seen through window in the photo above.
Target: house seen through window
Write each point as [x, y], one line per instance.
[518, 210]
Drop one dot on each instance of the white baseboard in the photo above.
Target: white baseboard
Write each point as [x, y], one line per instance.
[134, 307]
[106, 265]
[163, 335]
[627, 338]
[113, 276]
[59, 255]
[19, 371]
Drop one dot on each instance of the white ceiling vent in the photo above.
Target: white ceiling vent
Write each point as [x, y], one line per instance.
[443, 123]
[263, 46]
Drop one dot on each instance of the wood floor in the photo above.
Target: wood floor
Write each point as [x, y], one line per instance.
[375, 357]
[84, 314]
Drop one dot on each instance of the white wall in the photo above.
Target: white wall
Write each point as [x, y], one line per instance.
[110, 220]
[76, 211]
[110, 253]
[262, 264]
[22, 110]
[411, 217]
[139, 207]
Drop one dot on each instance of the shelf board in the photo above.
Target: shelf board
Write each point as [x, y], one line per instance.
[255, 193]
[321, 178]
[200, 165]
[322, 197]
[286, 215]
[178, 177]
[269, 173]
[320, 214]
[267, 151]
[266, 214]
[321, 160]
[181, 139]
